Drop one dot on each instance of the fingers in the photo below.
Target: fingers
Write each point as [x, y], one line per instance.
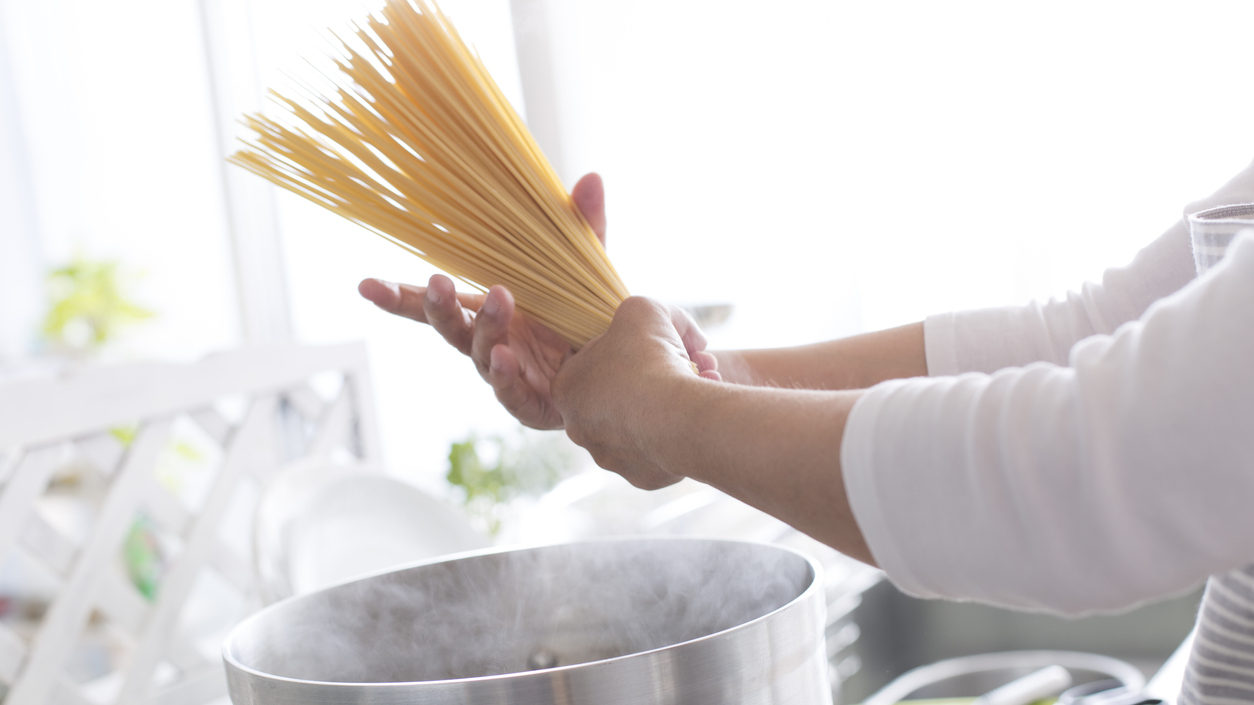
[505, 376]
[589, 197]
[491, 327]
[713, 375]
[695, 343]
[514, 393]
[442, 310]
[406, 299]
[682, 332]
[694, 339]
[707, 366]
[386, 295]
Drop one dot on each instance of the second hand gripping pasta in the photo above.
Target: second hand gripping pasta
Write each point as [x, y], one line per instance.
[416, 142]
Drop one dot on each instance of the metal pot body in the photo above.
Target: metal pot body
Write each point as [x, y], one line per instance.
[632, 621]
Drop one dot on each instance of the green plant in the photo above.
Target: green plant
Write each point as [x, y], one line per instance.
[143, 557]
[492, 471]
[143, 554]
[87, 304]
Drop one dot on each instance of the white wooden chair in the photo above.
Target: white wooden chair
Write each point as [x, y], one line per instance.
[165, 461]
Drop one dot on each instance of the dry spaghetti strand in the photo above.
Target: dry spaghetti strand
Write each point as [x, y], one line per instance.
[417, 144]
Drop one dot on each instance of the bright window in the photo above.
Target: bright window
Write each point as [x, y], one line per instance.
[428, 396]
[832, 167]
[113, 155]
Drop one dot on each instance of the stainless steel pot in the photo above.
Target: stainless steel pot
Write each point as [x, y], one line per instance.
[631, 621]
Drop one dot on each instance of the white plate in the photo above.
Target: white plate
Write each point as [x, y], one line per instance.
[330, 525]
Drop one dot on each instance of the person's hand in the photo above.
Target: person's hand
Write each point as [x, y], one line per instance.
[612, 394]
[516, 355]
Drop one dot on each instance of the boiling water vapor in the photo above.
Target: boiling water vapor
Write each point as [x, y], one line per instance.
[518, 611]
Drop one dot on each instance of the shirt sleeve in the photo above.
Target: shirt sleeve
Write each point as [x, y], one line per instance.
[990, 339]
[1123, 476]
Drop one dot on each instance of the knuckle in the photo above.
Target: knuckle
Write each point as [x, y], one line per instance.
[635, 301]
[639, 306]
[605, 460]
[644, 481]
[576, 435]
[655, 481]
[433, 310]
[681, 317]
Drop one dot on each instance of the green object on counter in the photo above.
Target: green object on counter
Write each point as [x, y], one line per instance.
[493, 470]
[142, 555]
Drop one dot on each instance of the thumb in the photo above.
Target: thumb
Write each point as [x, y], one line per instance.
[589, 197]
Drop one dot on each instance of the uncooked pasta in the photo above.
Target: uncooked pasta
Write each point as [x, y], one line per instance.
[416, 142]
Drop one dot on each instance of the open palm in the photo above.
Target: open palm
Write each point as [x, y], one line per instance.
[515, 354]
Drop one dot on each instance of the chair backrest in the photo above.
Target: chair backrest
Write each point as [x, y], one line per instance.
[127, 495]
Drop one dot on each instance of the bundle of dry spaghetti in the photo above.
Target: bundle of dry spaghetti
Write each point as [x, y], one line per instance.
[416, 142]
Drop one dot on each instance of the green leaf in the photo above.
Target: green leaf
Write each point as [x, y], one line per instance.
[187, 451]
[124, 434]
[88, 296]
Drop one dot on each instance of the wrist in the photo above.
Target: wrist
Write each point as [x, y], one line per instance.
[673, 428]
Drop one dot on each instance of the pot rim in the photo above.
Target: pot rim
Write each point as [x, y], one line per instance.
[815, 585]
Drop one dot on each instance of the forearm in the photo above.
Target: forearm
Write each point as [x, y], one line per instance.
[856, 362]
[775, 449]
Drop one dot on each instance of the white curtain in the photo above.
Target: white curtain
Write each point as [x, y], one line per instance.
[19, 249]
[428, 395]
[112, 130]
[831, 167]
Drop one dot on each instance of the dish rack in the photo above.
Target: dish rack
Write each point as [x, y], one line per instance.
[127, 496]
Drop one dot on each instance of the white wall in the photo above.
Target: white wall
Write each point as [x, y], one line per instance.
[841, 166]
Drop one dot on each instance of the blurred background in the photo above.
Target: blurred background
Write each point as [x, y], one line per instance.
[799, 170]
[823, 167]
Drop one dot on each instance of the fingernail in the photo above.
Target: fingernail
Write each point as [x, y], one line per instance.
[491, 305]
[434, 296]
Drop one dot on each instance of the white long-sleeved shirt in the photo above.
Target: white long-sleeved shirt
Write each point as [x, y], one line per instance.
[1097, 452]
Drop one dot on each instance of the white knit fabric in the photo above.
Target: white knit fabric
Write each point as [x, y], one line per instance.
[1220, 669]
[1096, 454]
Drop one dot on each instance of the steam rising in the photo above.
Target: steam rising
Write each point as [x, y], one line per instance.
[518, 611]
